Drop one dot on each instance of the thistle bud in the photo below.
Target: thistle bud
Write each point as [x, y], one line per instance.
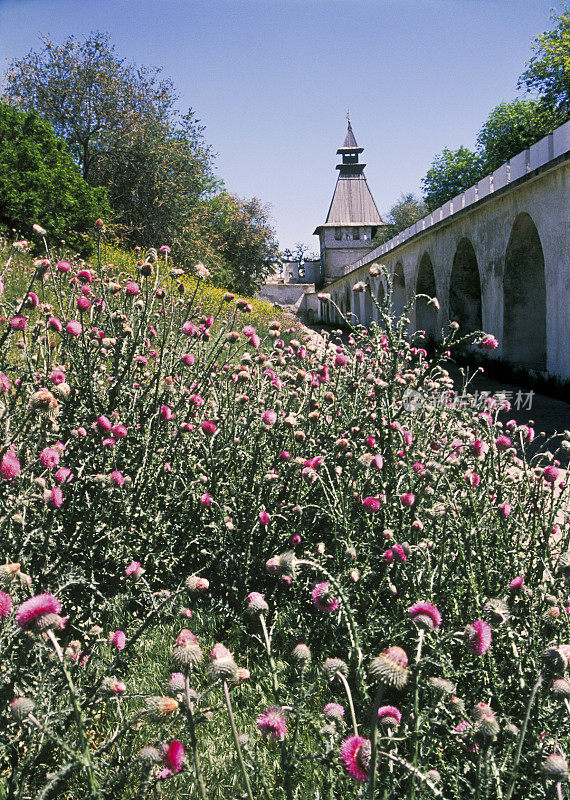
[555, 768]
[149, 755]
[333, 665]
[160, 707]
[256, 604]
[20, 708]
[301, 654]
[391, 668]
[186, 652]
[222, 667]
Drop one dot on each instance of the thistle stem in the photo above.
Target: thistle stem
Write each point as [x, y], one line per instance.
[236, 740]
[374, 741]
[350, 703]
[517, 758]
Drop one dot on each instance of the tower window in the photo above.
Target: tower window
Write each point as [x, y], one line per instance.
[356, 233]
[338, 234]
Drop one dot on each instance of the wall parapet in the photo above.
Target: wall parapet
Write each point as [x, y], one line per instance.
[548, 149]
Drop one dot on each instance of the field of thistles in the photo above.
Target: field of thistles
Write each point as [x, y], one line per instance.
[241, 560]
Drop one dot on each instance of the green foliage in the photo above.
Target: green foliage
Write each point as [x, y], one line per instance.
[243, 240]
[451, 172]
[160, 456]
[511, 128]
[405, 211]
[39, 182]
[548, 71]
[123, 129]
[92, 98]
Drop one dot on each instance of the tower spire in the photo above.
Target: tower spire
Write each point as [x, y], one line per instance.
[353, 217]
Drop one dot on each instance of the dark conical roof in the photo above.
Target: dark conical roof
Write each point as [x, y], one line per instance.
[349, 140]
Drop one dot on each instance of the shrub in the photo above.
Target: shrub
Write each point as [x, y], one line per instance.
[381, 554]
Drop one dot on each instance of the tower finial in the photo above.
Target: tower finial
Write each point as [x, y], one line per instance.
[348, 116]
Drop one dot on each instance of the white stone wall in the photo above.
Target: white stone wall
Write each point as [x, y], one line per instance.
[537, 184]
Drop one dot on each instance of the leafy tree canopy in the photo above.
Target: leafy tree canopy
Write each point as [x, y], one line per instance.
[244, 241]
[511, 128]
[91, 97]
[451, 172]
[548, 71]
[405, 211]
[40, 183]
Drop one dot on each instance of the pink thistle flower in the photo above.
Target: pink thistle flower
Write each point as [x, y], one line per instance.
[478, 637]
[63, 475]
[425, 615]
[477, 447]
[174, 756]
[355, 755]
[264, 518]
[389, 716]
[165, 249]
[472, 479]
[285, 455]
[57, 376]
[39, 613]
[489, 343]
[119, 431]
[371, 504]
[389, 556]
[188, 359]
[83, 303]
[166, 413]
[269, 417]
[117, 477]
[5, 605]
[5, 384]
[502, 443]
[50, 457]
[55, 324]
[135, 569]
[104, 423]
[54, 497]
[31, 300]
[527, 433]
[209, 428]
[118, 639]
[550, 474]
[340, 360]
[85, 275]
[272, 724]
[132, 289]
[333, 712]
[74, 328]
[18, 323]
[256, 604]
[206, 500]
[9, 466]
[399, 553]
[407, 499]
[516, 583]
[322, 598]
[63, 266]
[505, 510]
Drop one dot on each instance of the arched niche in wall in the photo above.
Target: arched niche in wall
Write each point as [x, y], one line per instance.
[399, 298]
[524, 297]
[465, 305]
[426, 314]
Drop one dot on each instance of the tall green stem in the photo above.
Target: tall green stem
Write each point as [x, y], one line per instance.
[236, 740]
[374, 741]
[517, 758]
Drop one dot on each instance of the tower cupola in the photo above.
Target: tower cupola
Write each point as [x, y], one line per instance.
[353, 218]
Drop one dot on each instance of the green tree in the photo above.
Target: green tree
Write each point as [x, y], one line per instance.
[451, 172]
[91, 97]
[243, 240]
[548, 71]
[512, 127]
[40, 183]
[405, 211]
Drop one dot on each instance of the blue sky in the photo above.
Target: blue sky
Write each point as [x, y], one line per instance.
[272, 81]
